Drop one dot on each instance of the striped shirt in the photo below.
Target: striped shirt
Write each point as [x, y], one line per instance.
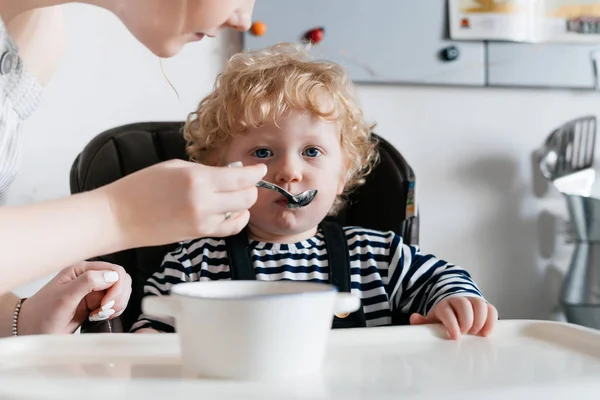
[386, 274]
[19, 96]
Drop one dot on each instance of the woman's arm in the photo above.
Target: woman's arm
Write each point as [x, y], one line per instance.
[36, 240]
[8, 302]
[168, 202]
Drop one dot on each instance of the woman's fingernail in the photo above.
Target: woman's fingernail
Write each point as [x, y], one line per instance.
[106, 313]
[235, 164]
[102, 315]
[95, 318]
[108, 305]
[111, 277]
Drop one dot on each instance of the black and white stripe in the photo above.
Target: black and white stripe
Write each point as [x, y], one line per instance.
[387, 274]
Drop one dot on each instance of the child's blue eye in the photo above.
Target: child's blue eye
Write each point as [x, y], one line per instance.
[262, 153]
[312, 152]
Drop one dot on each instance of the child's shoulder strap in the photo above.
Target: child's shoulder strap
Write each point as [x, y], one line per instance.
[337, 253]
[339, 271]
[238, 252]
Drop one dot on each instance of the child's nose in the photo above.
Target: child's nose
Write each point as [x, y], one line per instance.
[289, 171]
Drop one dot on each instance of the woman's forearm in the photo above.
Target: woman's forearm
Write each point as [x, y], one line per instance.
[39, 239]
[8, 302]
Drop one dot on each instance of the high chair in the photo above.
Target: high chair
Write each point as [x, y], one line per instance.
[385, 202]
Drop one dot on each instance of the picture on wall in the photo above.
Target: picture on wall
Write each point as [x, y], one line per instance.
[534, 21]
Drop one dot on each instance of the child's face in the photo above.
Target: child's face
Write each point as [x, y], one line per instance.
[303, 153]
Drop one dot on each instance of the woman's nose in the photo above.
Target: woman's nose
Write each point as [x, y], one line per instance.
[240, 20]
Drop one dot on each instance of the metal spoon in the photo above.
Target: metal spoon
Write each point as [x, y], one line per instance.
[294, 201]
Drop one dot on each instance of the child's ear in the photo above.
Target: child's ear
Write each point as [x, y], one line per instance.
[341, 186]
[343, 180]
[345, 168]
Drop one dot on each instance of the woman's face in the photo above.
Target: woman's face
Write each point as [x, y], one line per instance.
[165, 26]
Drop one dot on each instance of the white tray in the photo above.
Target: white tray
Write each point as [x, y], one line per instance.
[523, 359]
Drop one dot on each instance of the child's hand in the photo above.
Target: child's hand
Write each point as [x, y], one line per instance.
[461, 315]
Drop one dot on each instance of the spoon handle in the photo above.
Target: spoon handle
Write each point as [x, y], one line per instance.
[268, 185]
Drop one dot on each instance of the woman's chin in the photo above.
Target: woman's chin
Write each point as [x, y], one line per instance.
[168, 48]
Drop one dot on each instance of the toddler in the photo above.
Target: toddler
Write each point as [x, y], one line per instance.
[299, 117]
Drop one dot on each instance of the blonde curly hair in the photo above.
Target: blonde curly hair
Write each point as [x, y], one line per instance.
[261, 86]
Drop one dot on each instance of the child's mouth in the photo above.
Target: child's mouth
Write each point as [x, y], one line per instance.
[302, 201]
[283, 202]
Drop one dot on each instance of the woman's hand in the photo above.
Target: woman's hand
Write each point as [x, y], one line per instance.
[461, 315]
[67, 300]
[179, 200]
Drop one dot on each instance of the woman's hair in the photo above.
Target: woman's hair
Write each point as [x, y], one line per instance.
[259, 87]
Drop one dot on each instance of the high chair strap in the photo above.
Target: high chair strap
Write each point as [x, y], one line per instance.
[337, 253]
[240, 262]
[339, 271]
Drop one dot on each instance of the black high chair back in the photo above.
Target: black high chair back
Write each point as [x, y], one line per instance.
[381, 203]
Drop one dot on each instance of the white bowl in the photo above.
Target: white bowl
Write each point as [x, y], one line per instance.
[252, 329]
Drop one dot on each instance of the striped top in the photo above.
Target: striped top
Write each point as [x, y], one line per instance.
[386, 274]
[19, 96]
